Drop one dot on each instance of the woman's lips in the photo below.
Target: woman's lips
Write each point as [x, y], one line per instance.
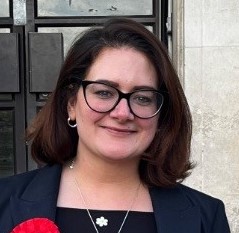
[117, 130]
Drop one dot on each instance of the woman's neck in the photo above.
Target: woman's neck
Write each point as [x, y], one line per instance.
[112, 186]
[106, 173]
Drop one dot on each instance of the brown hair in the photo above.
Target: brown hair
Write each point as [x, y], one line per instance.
[166, 161]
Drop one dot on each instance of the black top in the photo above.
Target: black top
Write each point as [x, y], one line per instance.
[71, 220]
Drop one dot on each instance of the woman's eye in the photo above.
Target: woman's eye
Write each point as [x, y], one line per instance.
[103, 94]
[142, 100]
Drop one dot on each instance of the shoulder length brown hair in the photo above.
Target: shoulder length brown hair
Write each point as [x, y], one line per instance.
[166, 161]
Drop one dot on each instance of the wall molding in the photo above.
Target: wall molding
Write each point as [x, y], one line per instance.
[178, 38]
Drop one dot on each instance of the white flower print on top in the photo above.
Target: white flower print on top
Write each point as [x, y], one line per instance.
[102, 221]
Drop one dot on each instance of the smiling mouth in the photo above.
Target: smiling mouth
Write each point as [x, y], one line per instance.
[119, 130]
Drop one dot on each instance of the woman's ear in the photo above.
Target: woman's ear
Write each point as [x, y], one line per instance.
[71, 108]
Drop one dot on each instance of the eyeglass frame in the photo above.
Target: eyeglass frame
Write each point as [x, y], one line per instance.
[121, 95]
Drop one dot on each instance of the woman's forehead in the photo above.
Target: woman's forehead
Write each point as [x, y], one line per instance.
[123, 64]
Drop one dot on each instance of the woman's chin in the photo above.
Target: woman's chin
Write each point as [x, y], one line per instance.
[117, 156]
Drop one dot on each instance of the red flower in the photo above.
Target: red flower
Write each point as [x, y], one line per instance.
[36, 225]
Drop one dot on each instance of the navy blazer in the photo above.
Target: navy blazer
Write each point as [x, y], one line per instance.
[177, 210]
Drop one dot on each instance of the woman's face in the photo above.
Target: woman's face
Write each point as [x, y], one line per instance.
[118, 134]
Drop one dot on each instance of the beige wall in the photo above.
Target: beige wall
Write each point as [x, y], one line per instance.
[209, 33]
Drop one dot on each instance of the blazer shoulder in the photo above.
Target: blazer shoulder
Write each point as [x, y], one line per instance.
[198, 197]
[184, 196]
[203, 208]
[212, 209]
[16, 184]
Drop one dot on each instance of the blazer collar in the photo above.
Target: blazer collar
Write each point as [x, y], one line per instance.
[39, 198]
[174, 212]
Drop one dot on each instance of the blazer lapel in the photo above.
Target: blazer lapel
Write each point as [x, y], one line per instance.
[39, 198]
[174, 212]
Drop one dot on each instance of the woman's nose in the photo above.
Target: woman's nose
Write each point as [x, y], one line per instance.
[122, 111]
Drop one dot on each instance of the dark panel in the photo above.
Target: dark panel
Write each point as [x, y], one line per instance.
[9, 63]
[46, 56]
[164, 17]
[4, 97]
[6, 143]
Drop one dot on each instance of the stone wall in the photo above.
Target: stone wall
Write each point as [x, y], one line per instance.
[211, 82]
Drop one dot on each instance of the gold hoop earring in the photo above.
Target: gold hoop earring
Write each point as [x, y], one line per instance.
[69, 123]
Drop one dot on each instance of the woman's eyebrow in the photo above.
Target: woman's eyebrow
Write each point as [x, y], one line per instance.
[115, 84]
[105, 81]
[144, 87]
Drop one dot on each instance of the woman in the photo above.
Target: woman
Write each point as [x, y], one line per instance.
[115, 136]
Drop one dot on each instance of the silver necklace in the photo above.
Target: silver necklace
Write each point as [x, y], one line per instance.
[99, 220]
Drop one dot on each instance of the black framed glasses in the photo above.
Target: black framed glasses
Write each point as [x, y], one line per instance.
[103, 98]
